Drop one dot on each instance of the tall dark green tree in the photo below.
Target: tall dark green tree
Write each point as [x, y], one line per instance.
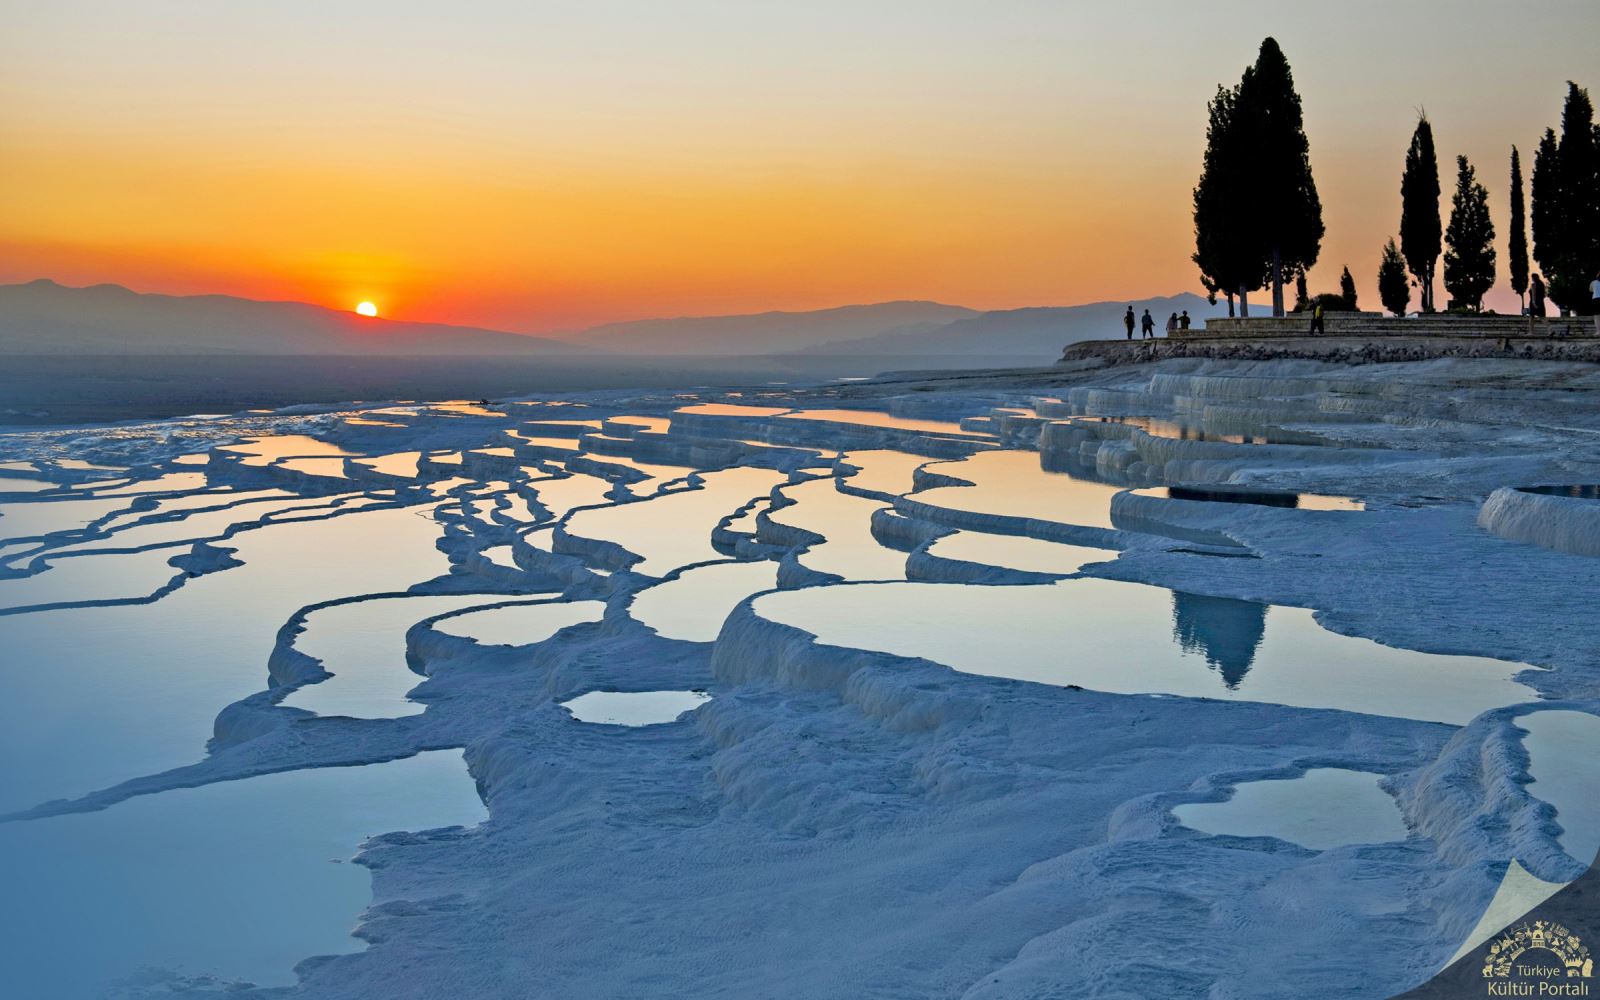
[1394, 289]
[1566, 204]
[1347, 289]
[1221, 210]
[1517, 242]
[1469, 254]
[1420, 229]
[1545, 211]
[1287, 213]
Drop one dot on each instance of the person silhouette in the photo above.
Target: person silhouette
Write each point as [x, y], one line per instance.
[1183, 320]
[1172, 324]
[1127, 321]
[1594, 302]
[1147, 325]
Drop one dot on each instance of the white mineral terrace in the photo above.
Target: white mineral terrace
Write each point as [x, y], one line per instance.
[828, 691]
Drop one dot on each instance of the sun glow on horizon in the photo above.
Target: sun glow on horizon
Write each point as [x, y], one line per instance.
[367, 309]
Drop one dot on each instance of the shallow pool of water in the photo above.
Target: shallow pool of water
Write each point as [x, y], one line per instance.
[1016, 552]
[520, 624]
[1575, 492]
[876, 418]
[1564, 762]
[845, 522]
[271, 448]
[398, 463]
[1013, 484]
[1130, 638]
[634, 708]
[1327, 807]
[95, 696]
[693, 605]
[1260, 498]
[882, 470]
[241, 879]
[674, 529]
[733, 410]
[363, 644]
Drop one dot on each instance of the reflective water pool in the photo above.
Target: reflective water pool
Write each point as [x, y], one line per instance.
[95, 696]
[1327, 807]
[1129, 638]
[694, 605]
[845, 521]
[241, 880]
[1012, 484]
[363, 645]
[1016, 552]
[634, 708]
[1564, 762]
[520, 624]
[1260, 498]
[691, 514]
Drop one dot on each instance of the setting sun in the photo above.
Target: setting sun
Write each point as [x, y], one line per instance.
[367, 309]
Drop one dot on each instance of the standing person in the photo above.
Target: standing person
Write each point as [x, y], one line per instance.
[1147, 325]
[1172, 324]
[1535, 302]
[1594, 301]
[1316, 320]
[1183, 320]
[1127, 321]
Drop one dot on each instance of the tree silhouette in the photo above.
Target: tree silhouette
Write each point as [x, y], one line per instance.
[1394, 290]
[1221, 210]
[1256, 211]
[1347, 289]
[1277, 165]
[1419, 210]
[1566, 203]
[1517, 244]
[1470, 255]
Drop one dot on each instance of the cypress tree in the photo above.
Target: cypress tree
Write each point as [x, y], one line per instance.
[1347, 289]
[1277, 169]
[1549, 231]
[1419, 210]
[1470, 254]
[1394, 290]
[1222, 208]
[1517, 244]
[1566, 204]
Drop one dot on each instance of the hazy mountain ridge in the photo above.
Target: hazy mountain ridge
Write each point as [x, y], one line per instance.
[1040, 331]
[43, 317]
[770, 332]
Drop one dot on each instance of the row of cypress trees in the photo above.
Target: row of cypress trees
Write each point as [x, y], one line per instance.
[1258, 220]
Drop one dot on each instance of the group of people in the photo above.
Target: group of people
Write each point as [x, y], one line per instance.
[1147, 324]
[1536, 298]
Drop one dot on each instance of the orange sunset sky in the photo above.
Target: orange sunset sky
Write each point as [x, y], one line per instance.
[541, 166]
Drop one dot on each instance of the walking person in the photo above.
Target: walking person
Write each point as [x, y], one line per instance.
[1127, 321]
[1147, 325]
[1172, 324]
[1316, 320]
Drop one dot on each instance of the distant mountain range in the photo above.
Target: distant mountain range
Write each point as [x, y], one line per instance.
[1039, 332]
[43, 317]
[771, 332]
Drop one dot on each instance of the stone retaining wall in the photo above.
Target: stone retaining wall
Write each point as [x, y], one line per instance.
[1336, 349]
[1364, 324]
